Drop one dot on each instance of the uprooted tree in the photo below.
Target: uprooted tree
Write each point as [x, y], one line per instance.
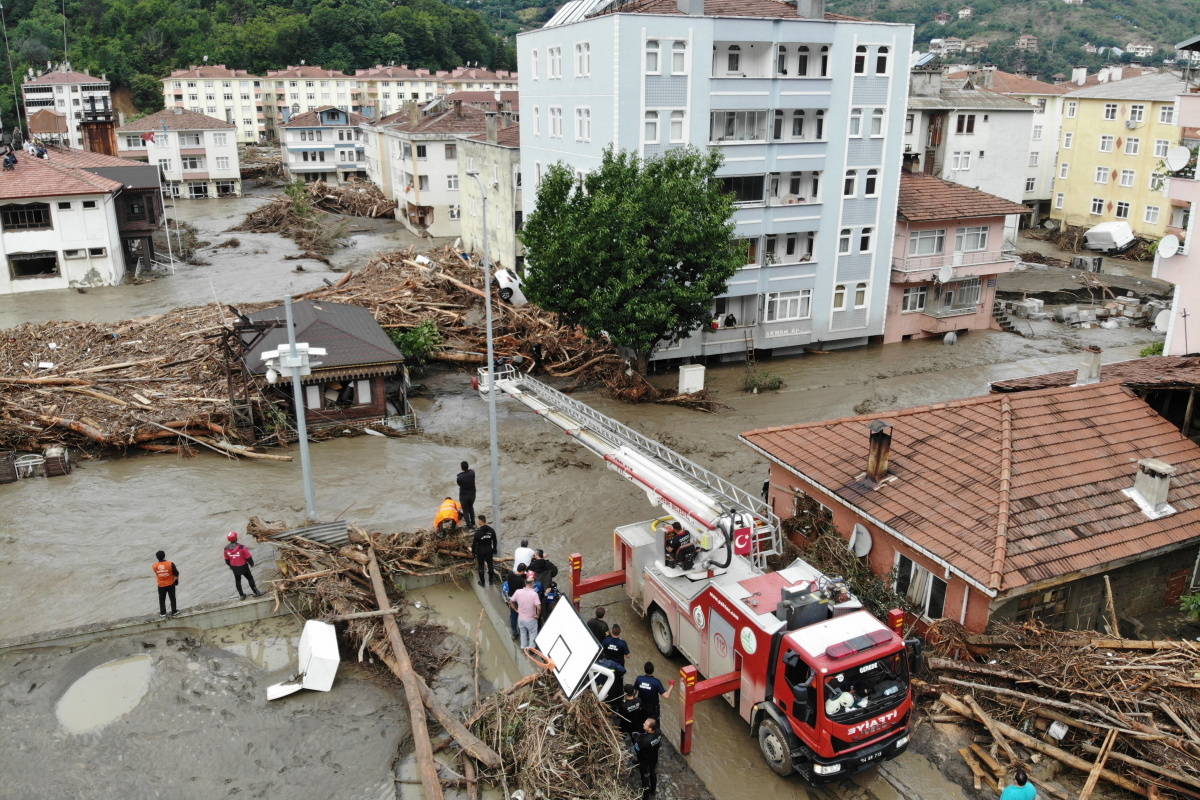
[638, 250]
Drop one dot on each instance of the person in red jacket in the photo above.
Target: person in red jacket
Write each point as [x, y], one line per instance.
[238, 557]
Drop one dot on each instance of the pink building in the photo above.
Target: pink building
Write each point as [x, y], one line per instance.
[1183, 268]
[945, 259]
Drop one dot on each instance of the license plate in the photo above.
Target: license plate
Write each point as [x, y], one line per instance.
[871, 757]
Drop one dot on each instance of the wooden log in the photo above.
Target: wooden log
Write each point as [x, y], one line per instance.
[988, 723]
[1012, 693]
[47, 381]
[986, 759]
[1094, 775]
[121, 365]
[1113, 622]
[1178, 777]
[1183, 726]
[469, 742]
[983, 640]
[81, 428]
[976, 769]
[361, 615]
[404, 670]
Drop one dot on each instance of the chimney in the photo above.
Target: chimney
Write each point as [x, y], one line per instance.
[491, 127]
[987, 76]
[178, 111]
[1078, 75]
[881, 448]
[1114, 73]
[414, 113]
[1089, 368]
[811, 9]
[692, 8]
[1102, 75]
[458, 109]
[1151, 485]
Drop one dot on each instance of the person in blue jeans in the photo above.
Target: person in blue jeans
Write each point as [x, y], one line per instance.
[1021, 788]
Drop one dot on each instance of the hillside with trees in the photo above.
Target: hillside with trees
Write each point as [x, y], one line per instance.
[136, 42]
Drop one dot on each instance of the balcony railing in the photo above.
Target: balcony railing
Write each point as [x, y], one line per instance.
[940, 313]
[935, 262]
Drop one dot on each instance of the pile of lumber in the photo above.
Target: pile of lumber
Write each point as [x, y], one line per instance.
[355, 199]
[1126, 712]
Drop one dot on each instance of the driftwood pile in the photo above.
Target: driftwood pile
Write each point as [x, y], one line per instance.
[309, 228]
[354, 199]
[1071, 239]
[1123, 711]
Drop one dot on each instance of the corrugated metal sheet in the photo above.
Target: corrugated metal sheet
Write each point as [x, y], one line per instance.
[330, 533]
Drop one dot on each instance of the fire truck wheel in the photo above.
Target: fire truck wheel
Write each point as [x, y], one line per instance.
[660, 628]
[774, 746]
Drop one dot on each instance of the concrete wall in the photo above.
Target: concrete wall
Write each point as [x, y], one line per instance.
[499, 168]
[1183, 268]
[77, 230]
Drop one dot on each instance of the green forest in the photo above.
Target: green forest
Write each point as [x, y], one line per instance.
[137, 42]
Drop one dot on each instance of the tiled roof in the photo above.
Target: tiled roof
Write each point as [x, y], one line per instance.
[924, 197]
[39, 177]
[1008, 83]
[349, 333]
[477, 74]
[176, 119]
[505, 137]
[312, 119]
[983, 99]
[1068, 453]
[771, 9]
[306, 71]
[56, 76]
[470, 120]
[70, 157]
[1152, 371]
[209, 71]
[1154, 87]
[400, 73]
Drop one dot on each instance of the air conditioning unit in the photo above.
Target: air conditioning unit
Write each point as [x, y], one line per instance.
[1131, 125]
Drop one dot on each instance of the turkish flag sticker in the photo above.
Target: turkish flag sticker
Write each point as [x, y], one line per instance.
[741, 541]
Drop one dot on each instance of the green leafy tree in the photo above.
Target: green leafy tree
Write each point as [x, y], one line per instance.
[638, 251]
[147, 93]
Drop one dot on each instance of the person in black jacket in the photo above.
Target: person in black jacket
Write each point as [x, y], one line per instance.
[544, 572]
[646, 748]
[466, 495]
[483, 547]
[631, 713]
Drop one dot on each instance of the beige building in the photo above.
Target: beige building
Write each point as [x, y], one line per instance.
[293, 91]
[385, 90]
[497, 156]
[232, 95]
[470, 79]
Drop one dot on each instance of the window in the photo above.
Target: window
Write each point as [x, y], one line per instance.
[921, 587]
[554, 62]
[745, 188]
[1101, 174]
[802, 61]
[583, 59]
[423, 183]
[965, 123]
[422, 152]
[1166, 115]
[860, 295]
[1063, 169]
[189, 140]
[856, 122]
[1127, 177]
[1106, 144]
[192, 163]
[881, 61]
[534, 64]
[1110, 110]
[750, 248]
[860, 60]
[676, 126]
[871, 184]
[1059, 200]
[1071, 106]
[679, 58]
[961, 160]
[1030, 184]
[651, 127]
[781, 61]
[537, 121]
[1037, 133]
[908, 124]
[839, 296]
[556, 123]
[844, 241]
[64, 206]
[734, 60]
[1068, 140]
[1151, 215]
[797, 124]
[850, 185]
[864, 240]
[782, 306]
[456, 212]
[1033, 158]
[825, 61]
[134, 142]
[1161, 147]
[222, 162]
[1097, 205]
[452, 181]
[652, 57]
[914, 299]
[1132, 146]
[971, 240]
[219, 139]
[26, 217]
[1122, 210]
[97, 252]
[1137, 113]
[927, 243]
[877, 122]
[583, 124]
[32, 265]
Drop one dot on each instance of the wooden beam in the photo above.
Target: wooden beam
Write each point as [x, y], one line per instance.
[1187, 415]
[1094, 774]
[361, 615]
[990, 725]
[1113, 622]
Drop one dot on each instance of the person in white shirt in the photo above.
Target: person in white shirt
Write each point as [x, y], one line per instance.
[523, 555]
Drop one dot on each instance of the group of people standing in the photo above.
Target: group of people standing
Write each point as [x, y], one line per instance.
[237, 558]
[530, 592]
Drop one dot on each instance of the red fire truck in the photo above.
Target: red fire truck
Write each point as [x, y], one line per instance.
[823, 684]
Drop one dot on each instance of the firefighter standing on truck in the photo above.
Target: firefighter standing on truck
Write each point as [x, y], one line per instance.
[238, 557]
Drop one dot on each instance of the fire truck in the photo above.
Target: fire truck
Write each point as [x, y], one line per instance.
[823, 684]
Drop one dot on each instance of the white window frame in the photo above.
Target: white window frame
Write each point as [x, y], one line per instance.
[1128, 178]
[222, 162]
[651, 125]
[1166, 114]
[679, 54]
[1031, 184]
[1037, 133]
[1064, 169]
[974, 235]
[1110, 112]
[1117, 210]
[878, 121]
[1133, 146]
[680, 116]
[871, 183]
[844, 236]
[917, 242]
[839, 303]
[1162, 147]
[1060, 200]
[533, 63]
[1071, 106]
[787, 306]
[583, 59]
[924, 587]
[652, 52]
[537, 121]
[1092, 208]
[452, 182]
[1107, 140]
[856, 115]
[1137, 112]
[1150, 215]
[1101, 175]
[455, 212]
[554, 59]
[867, 236]
[850, 183]
[863, 289]
[1033, 158]
[913, 300]
[1068, 140]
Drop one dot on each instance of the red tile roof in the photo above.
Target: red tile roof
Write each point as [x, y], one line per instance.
[38, 177]
[56, 76]
[1152, 371]
[312, 119]
[771, 9]
[924, 197]
[477, 74]
[1008, 83]
[68, 157]
[470, 120]
[209, 71]
[1067, 451]
[307, 71]
[400, 73]
[176, 119]
[505, 137]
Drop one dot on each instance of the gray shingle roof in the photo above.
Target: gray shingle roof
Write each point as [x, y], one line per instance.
[349, 333]
[1161, 87]
[966, 99]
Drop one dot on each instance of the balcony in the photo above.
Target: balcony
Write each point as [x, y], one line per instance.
[916, 269]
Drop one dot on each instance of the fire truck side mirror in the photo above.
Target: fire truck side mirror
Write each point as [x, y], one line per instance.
[916, 649]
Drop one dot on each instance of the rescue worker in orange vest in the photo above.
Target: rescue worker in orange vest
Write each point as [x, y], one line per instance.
[448, 517]
[168, 578]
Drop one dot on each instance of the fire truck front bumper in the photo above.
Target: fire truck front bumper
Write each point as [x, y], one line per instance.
[819, 770]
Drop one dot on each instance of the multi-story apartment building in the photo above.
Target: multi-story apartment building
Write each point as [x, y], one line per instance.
[496, 154]
[197, 154]
[68, 94]
[471, 79]
[232, 95]
[970, 136]
[1114, 135]
[1045, 132]
[807, 109]
[385, 90]
[324, 144]
[295, 90]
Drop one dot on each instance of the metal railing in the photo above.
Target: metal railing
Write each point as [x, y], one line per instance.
[969, 259]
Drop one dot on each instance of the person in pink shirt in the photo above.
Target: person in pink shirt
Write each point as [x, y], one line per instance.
[527, 604]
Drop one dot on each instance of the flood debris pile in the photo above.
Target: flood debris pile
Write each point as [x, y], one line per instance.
[295, 214]
[553, 748]
[1072, 239]
[354, 199]
[1123, 711]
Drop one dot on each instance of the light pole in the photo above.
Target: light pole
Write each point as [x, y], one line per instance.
[491, 360]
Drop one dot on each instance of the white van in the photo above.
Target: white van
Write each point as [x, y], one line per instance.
[1110, 237]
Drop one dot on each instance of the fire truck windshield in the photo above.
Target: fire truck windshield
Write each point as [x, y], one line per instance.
[868, 689]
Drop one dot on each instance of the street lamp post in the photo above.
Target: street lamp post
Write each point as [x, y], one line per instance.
[491, 360]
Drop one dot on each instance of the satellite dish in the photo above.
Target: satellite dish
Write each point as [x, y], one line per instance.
[1178, 158]
[1161, 321]
[945, 274]
[1168, 245]
[860, 541]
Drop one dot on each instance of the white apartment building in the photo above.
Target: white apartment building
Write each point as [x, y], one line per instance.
[807, 109]
[1140, 50]
[67, 93]
[325, 144]
[289, 92]
[58, 228]
[385, 89]
[474, 79]
[197, 154]
[232, 95]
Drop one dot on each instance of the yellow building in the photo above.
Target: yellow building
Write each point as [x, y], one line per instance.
[1114, 135]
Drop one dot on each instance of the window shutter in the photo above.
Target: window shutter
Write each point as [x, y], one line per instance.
[362, 392]
[312, 396]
